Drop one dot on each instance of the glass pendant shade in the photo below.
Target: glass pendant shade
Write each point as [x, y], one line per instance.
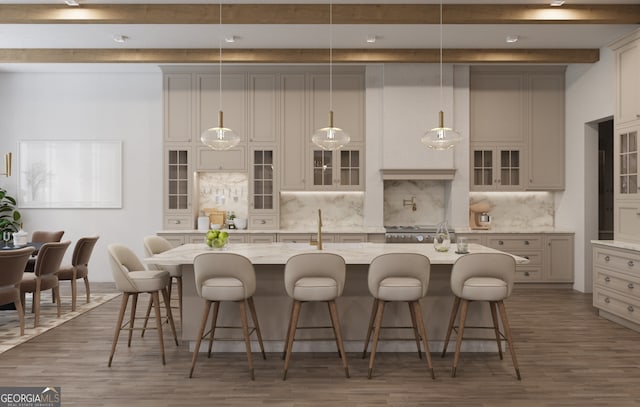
[441, 138]
[330, 138]
[220, 138]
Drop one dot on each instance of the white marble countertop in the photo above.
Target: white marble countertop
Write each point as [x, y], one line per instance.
[279, 253]
[618, 244]
[513, 230]
[354, 229]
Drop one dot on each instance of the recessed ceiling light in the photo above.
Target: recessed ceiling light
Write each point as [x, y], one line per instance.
[230, 38]
[120, 38]
[556, 3]
[512, 38]
[71, 3]
[371, 39]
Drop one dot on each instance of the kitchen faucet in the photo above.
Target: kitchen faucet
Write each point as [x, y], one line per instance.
[318, 241]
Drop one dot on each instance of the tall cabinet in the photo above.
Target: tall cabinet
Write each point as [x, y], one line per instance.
[517, 128]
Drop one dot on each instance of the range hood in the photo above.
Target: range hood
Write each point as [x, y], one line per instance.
[443, 174]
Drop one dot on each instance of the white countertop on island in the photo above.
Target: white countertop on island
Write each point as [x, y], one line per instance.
[279, 253]
[342, 230]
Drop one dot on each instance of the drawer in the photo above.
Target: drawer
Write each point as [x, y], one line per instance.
[527, 274]
[617, 304]
[197, 238]
[623, 283]
[304, 237]
[233, 159]
[509, 243]
[178, 222]
[236, 238]
[617, 260]
[352, 238]
[261, 238]
[263, 222]
[535, 258]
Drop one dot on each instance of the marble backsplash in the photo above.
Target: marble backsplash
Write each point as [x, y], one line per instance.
[414, 202]
[224, 191]
[518, 211]
[299, 210]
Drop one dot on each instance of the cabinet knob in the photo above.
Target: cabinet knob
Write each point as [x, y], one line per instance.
[500, 242]
[630, 286]
[607, 279]
[526, 257]
[606, 258]
[630, 263]
[526, 243]
[526, 273]
[607, 300]
[177, 222]
[262, 221]
[630, 308]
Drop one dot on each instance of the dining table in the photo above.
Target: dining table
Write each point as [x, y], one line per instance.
[273, 304]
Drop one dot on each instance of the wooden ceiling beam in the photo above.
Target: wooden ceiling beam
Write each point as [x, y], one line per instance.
[281, 56]
[319, 14]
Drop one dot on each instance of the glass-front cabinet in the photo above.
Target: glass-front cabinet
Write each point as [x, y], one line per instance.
[264, 202]
[341, 169]
[496, 168]
[178, 179]
[628, 164]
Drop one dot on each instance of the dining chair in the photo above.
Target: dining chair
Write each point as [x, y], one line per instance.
[43, 236]
[44, 276]
[79, 267]
[132, 278]
[485, 277]
[12, 263]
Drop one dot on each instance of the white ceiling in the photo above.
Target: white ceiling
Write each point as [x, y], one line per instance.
[308, 36]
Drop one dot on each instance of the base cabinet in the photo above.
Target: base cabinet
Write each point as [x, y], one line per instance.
[550, 255]
[616, 284]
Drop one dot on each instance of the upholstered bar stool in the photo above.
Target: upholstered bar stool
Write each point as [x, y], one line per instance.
[310, 277]
[156, 245]
[226, 277]
[482, 277]
[398, 277]
[132, 279]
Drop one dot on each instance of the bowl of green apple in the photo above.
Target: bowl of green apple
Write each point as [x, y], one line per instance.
[216, 239]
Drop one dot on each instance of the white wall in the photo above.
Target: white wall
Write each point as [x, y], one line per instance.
[114, 106]
[590, 97]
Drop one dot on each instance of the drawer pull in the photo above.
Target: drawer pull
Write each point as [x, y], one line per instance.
[607, 300]
[526, 243]
[630, 308]
[630, 286]
[526, 257]
[607, 258]
[607, 279]
[500, 242]
[526, 273]
[262, 221]
[630, 263]
[177, 222]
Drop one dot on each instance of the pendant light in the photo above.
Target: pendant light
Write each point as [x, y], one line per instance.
[220, 137]
[441, 138]
[330, 137]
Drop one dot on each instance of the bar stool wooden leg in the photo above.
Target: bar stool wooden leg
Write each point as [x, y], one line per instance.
[376, 336]
[414, 327]
[286, 339]
[333, 327]
[245, 332]
[146, 317]
[507, 333]
[452, 320]
[214, 322]
[496, 327]
[123, 309]
[179, 279]
[372, 318]
[295, 313]
[134, 303]
[156, 306]
[203, 324]
[167, 306]
[254, 317]
[415, 305]
[463, 318]
[333, 311]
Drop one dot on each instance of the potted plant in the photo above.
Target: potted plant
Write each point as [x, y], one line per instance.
[10, 217]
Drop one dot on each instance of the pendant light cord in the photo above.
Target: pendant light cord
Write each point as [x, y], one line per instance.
[441, 94]
[220, 58]
[330, 56]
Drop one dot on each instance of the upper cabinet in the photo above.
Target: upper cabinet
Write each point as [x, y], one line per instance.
[178, 100]
[627, 52]
[517, 128]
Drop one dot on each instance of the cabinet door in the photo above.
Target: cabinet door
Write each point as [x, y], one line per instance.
[177, 108]
[262, 108]
[625, 148]
[628, 83]
[178, 180]
[559, 259]
[293, 142]
[510, 168]
[482, 172]
[232, 101]
[233, 159]
[322, 169]
[349, 168]
[496, 169]
[497, 107]
[546, 138]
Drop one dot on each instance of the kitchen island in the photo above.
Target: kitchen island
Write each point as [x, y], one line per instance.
[273, 305]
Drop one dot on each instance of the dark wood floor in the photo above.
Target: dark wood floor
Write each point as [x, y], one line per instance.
[568, 357]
